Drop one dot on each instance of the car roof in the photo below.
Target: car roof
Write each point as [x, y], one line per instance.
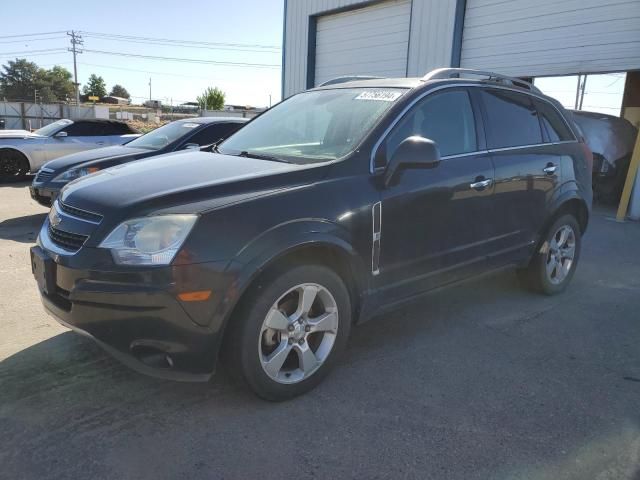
[97, 120]
[204, 120]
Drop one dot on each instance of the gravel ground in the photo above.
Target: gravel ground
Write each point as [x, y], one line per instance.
[482, 381]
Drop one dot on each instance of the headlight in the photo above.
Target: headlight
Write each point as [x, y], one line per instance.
[149, 240]
[74, 173]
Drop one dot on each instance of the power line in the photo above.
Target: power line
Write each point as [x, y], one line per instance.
[186, 45]
[142, 71]
[185, 60]
[32, 34]
[33, 39]
[169, 40]
[32, 52]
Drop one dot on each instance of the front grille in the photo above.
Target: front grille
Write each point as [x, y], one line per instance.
[44, 175]
[79, 213]
[67, 240]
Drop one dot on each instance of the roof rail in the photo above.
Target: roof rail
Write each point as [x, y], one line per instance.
[350, 78]
[441, 73]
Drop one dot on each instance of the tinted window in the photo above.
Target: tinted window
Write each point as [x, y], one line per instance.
[84, 129]
[512, 119]
[214, 133]
[554, 126]
[446, 118]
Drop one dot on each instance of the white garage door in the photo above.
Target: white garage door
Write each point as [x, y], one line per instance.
[526, 38]
[367, 41]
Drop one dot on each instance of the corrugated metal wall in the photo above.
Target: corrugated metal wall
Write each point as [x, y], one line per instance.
[429, 42]
[550, 37]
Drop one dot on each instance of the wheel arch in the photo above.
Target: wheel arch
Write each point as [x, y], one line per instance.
[21, 151]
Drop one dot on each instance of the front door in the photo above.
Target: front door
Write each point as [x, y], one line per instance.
[434, 221]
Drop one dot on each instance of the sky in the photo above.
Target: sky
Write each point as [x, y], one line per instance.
[257, 23]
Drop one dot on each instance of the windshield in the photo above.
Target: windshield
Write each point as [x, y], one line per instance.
[52, 128]
[313, 126]
[163, 136]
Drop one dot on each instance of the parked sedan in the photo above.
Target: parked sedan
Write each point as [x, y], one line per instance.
[22, 152]
[179, 135]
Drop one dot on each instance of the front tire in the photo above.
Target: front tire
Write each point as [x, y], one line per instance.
[554, 264]
[14, 166]
[289, 331]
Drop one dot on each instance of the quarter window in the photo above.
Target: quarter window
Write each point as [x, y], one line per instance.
[512, 119]
[446, 118]
[554, 126]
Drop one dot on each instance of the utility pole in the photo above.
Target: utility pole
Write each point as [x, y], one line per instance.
[149, 89]
[76, 40]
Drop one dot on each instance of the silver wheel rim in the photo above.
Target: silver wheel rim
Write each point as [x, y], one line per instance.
[562, 251]
[298, 333]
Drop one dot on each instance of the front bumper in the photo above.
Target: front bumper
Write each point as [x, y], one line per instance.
[43, 194]
[135, 314]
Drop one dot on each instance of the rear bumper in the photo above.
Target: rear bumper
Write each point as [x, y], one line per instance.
[136, 316]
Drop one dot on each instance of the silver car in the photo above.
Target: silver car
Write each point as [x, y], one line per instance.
[22, 151]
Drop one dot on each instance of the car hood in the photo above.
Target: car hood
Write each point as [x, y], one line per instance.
[18, 134]
[184, 178]
[63, 163]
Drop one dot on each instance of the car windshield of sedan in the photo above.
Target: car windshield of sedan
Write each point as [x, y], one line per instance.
[52, 128]
[163, 136]
[314, 126]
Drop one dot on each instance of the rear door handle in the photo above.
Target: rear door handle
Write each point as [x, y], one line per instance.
[550, 169]
[481, 184]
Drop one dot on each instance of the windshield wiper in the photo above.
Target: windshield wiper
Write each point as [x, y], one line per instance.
[261, 156]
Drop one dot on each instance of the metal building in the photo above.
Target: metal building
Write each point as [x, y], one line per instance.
[324, 39]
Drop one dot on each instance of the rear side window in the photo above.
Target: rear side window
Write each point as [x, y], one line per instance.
[553, 124]
[512, 119]
[84, 129]
[214, 133]
[446, 118]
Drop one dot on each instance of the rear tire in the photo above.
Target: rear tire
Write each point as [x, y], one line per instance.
[14, 166]
[554, 264]
[289, 331]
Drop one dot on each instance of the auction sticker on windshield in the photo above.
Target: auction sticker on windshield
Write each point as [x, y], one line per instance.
[379, 95]
[190, 125]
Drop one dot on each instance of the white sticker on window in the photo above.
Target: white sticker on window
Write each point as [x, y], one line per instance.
[190, 125]
[379, 95]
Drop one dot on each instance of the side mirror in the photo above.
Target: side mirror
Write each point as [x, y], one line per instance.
[413, 152]
[61, 135]
[191, 146]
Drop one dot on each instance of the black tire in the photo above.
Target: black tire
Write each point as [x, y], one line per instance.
[535, 275]
[14, 166]
[243, 344]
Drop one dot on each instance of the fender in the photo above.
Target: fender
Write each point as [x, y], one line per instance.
[566, 192]
[281, 240]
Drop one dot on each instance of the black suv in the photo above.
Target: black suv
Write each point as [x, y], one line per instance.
[335, 205]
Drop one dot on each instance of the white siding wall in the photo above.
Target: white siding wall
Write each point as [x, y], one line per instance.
[551, 37]
[429, 42]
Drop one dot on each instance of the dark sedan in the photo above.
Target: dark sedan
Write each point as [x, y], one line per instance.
[193, 133]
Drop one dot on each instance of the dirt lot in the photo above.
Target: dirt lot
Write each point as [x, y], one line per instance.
[484, 381]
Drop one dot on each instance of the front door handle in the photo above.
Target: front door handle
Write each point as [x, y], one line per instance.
[481, 184]
[550, 169]
[100, 143]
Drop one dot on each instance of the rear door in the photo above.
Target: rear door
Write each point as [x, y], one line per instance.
[527, 170]
[434, 221]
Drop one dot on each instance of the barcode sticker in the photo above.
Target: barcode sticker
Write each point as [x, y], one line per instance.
[379, 95]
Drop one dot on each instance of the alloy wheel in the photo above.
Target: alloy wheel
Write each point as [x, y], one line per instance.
[560, 257]
[298, 333]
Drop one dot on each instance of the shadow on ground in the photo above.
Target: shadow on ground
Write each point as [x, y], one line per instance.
[22, 229]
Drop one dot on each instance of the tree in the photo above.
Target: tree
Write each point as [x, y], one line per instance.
[119, 91]
[211, 99]
[95, 87]
[18, 80]
[21, 79]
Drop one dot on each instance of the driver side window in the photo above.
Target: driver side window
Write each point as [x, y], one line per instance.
[444, 117]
